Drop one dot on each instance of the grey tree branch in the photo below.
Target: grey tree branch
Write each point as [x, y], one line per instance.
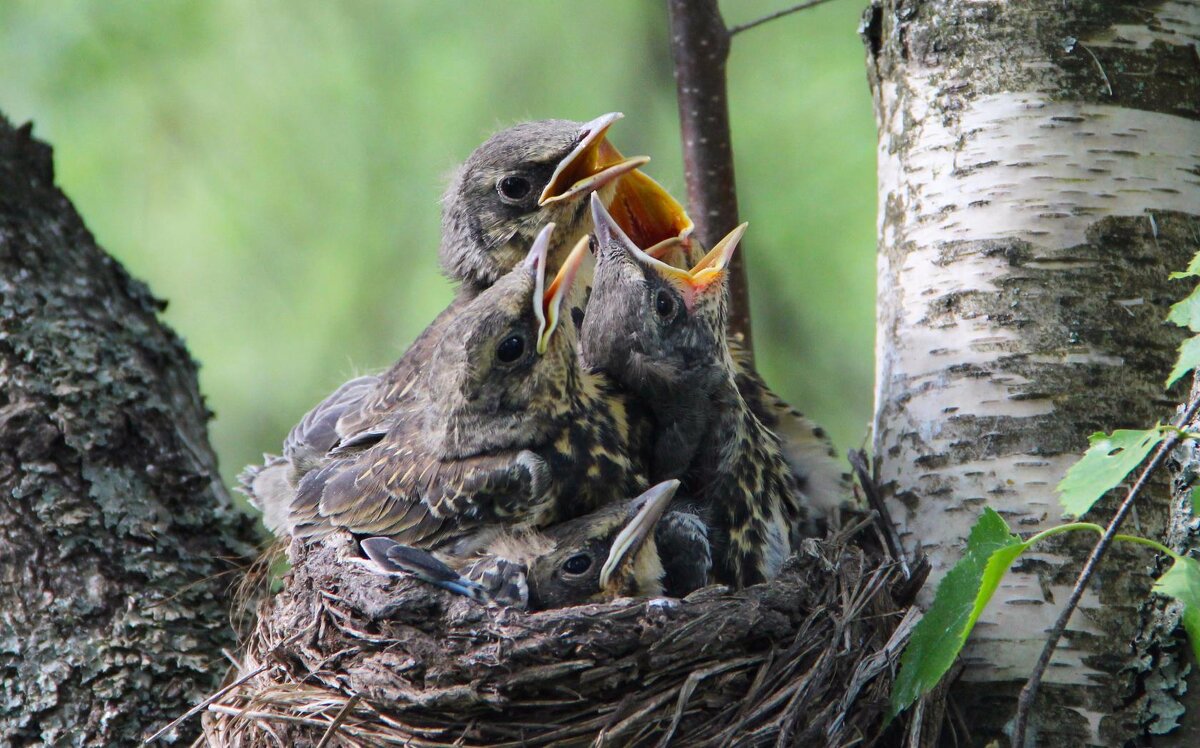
[1029, 691]
[772, 16]
[700, 49]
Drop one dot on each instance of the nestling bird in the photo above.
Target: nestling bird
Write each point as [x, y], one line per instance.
[612, 552]
[660, 331]
[508, 429]
[821, 477]
[519, 180]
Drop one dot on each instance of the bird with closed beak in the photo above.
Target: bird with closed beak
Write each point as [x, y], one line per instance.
[612, 552]
[660, 331]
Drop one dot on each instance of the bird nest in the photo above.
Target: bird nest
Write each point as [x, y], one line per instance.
[345, 656]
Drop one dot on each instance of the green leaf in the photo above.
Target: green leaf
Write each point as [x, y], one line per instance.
[1193, 269]
[1189, 358]
[1106, 463]
[939, 636]
[1186, 313]
[1182, 582]
[997, 566]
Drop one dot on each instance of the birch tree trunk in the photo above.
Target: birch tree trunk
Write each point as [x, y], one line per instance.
[1039, 177]
[116, 534]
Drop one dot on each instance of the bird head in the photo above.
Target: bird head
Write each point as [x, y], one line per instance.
[506, 367]
[606, 554]
[541, 172]
[655, 327]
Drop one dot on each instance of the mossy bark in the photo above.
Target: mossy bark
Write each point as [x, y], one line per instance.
[1039, 176]
[114, 527]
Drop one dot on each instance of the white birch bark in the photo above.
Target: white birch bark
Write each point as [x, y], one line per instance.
[1039, 177]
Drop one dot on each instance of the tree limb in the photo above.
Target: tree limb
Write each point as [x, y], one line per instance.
[700, 49]
[772, 16]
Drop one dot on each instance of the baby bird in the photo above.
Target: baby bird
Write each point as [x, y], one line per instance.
[506, 429]
[519, 180]
[660, 331]
[609, 553]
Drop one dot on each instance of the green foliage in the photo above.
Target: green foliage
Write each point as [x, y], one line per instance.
[1186, 313]
[1182, 582]
[1106, 463]
[1189, 358]
[962, 593]
[1191, 624]
[998, 565]
[1193, 269]
[966, 590]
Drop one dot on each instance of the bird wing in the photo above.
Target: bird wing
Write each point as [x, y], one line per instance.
[399, 385]
[316, 433]
[822, 479]
[391, 558]
[397, 489]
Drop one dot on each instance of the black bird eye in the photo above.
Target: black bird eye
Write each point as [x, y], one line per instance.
[510, 349]
[663, 303]
[578, 564]
[513, 188]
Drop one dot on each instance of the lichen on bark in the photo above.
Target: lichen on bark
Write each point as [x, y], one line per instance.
[115, 531]
[1038, 182]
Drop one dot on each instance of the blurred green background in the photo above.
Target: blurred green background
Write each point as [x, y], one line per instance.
[274, 169]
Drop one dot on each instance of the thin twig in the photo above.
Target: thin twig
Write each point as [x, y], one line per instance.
[858, 462]
[777, 14]
[1029, 691]
[700, 49]
[205, 704]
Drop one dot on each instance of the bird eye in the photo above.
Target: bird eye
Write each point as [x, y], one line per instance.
[577, 564]
[513, 188]
[663, 303]
[510, 349]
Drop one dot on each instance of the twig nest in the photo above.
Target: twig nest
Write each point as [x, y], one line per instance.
[345, 656]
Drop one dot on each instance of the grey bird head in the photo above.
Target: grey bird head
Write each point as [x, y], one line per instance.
[508, 366]
[656, 328]
[608, 553]
[540, 172]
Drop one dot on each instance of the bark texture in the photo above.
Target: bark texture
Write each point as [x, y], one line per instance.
[113, 522]
[1039, 177]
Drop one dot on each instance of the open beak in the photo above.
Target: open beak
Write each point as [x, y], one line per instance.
[710, 268]
[647, 510]
[647, 212]
[552, 299]
[590, 165]
[535, 262]
[609, 230]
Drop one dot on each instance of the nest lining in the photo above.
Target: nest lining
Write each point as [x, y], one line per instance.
[344, 656]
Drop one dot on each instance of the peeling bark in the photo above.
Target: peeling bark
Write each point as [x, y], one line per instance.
[1039, 177]
[113, 522]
